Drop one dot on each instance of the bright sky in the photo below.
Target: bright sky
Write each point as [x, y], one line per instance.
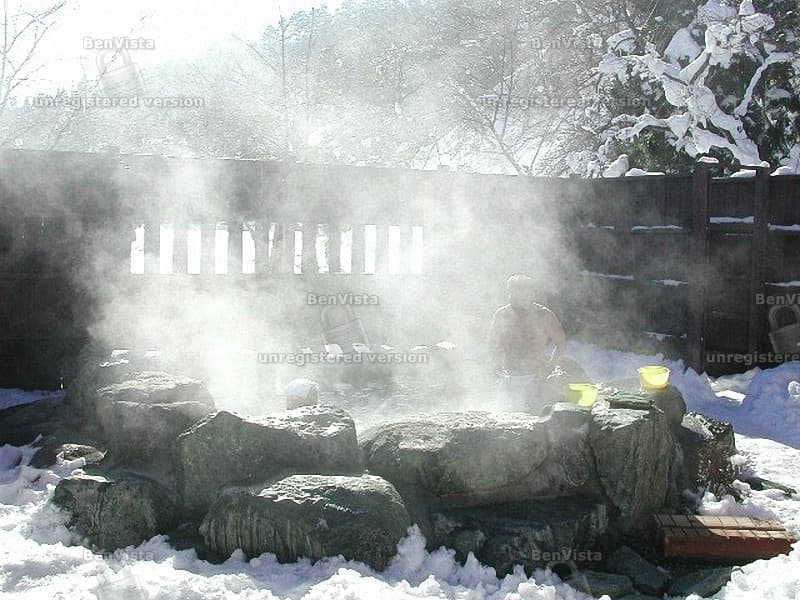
[178, 28]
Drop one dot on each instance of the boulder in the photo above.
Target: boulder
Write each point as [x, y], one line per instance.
[142, 416]
[534, 533]
[314, 516]
[226, 448]
[100, 367]
[704, 583]
[646, 577]
[48, 455]
[479, 458]
[669, 399]
[596, 584]
[633, 450]
[301, 392]
[707, 445]
[671, 402]
[115, 511]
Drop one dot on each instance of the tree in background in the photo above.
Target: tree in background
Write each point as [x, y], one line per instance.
[528, 87]
[22, 32]
[726, 85]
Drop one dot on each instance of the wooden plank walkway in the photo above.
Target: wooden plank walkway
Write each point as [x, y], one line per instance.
[722, 538]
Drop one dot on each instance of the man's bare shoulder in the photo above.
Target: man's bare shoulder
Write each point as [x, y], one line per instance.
[547, 315]
[503, 312]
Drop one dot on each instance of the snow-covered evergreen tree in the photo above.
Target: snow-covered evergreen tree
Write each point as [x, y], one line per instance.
[726, 85]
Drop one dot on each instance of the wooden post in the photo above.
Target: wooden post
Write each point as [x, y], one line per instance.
[358, 250]
[276, 260]
[309, 260]
[701, 186]
[758, 257]
[261, 241]
[152, 247]
[381, 249]
[334, 248]
[234, 246]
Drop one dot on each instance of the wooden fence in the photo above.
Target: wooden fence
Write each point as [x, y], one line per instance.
[135, 249]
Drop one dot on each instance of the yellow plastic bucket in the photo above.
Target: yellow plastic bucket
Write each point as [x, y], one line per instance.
[653, 377]
[582, 394]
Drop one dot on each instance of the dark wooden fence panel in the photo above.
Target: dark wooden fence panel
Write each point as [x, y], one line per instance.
[629, 262]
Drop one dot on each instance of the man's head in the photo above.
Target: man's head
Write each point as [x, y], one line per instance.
[520, 292]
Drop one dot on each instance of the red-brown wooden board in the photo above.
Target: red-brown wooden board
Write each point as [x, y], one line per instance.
[722, 538]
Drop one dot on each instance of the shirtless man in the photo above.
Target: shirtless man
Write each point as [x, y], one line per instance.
[526, 340]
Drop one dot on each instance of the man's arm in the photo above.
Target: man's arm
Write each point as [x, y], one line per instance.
[495, 346]
[555, 333]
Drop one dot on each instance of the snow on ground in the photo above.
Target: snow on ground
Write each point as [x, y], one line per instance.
[770, 407]
[40, 558]
[778, 577]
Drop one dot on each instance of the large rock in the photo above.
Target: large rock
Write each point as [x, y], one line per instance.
[597, 584]
[142, 416]
[226, 448]
[707, 446]
[301, 392]
[480, 458]
[314, 516]
[633, 450]
[115, 511]
[669, 399]
[671, 402]
[646, 577]
[704, 583]
[49, 454]
[534, 533]
[82, 392]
